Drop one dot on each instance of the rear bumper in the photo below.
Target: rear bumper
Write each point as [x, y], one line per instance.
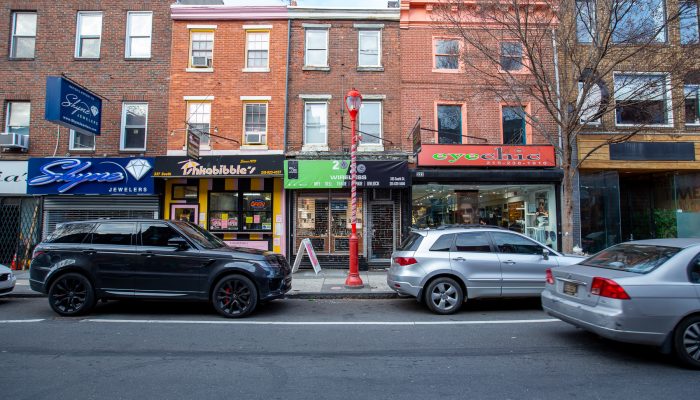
[404, 283]
[603, 321]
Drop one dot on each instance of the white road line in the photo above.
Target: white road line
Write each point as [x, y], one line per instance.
[397, 323]
[18, 321]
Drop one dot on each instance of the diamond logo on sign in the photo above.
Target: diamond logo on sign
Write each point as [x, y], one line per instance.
[94, 111]
[138, 168]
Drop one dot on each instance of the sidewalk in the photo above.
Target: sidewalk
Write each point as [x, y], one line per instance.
[305, 285]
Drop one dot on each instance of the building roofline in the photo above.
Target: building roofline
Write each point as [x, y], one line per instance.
[387, 14]
[226, 12]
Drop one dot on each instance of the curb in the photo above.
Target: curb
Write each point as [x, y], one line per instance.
[303, 296]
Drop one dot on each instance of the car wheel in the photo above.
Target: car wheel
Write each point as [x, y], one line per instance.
[234, 296]
[444, 296]
[687, 341]
[71, 294]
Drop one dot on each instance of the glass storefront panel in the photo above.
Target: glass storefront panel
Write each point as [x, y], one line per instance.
[687, 189]
[528, 209]
[600, 211]
[325, 218]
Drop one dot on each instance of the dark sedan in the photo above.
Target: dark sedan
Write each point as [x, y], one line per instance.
[82, 262]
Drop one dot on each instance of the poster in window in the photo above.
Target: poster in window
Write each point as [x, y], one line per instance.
[185, 212]
[466, 206]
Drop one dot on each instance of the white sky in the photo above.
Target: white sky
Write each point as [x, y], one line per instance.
[315, 3]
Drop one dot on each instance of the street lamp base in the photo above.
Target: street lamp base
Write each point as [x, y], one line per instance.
[354, 281]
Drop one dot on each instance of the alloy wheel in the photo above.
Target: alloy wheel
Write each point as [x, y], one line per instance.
[444, 296]
[235, 296]
[691, 341]
[71, 294]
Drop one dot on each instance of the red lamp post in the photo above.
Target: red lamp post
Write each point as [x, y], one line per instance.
[353, 101]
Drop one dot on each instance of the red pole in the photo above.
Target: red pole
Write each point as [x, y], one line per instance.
[353, 280]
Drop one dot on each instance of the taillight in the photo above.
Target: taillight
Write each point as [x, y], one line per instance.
[404, 261]
[550, 277]
[37, 253]
[608, 288]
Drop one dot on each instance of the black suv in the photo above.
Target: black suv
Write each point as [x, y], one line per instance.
[81, 262]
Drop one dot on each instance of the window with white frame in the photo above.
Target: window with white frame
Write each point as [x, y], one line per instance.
[199, 120]
[642, 99]
[591, 105]
[134, 126]
[202, 49]
[255, 124]
[81, 141]
[638, 21]
[585, 20]
[370, 118]
[315, 123]
[139, 26]
[688, 16]
[316, 48]
[257, 49]
[23, 34]
[446, 54]
[370, 48]
[88, 34]
[17, 117]
[692, 104]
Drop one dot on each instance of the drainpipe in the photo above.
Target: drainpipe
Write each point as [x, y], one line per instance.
[286, 83]
[556, 79]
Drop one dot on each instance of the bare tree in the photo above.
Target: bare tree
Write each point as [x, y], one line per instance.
[585, 66]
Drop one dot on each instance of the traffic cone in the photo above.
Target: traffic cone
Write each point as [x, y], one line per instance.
[14, 262]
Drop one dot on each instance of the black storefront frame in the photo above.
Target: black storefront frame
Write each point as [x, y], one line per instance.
[240, 192]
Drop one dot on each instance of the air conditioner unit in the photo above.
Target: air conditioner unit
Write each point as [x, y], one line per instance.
[255, 138]
[201, 62]
[13, 140]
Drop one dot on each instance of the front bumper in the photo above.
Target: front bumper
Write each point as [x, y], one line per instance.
[278, 288]
[604, 321]
[8, 285]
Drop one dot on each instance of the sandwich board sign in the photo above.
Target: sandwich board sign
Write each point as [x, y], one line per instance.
[305, 245]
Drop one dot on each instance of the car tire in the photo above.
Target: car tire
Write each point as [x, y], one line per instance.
[234, 296]
[444, 296]
[71, 295]
[686, 341]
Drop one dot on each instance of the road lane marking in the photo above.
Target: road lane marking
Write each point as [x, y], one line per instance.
[18, 321]
[396, 323]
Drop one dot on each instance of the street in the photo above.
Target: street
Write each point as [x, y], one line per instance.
[321, 349]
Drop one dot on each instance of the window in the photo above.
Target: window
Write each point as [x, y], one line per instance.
[692, 111]
[138, 34]
[199, 120]
[202, 48]
[184, 192]
[370, 45]
[591, 105]
[694, 270]
[315, 123]
[444, 243]
[257, 212]
[157, 234]
[642, 99]
[638, 21]
[371, 122]
[411, 243]
[81, 141]
[446, 54]
[223, 211]
[17, 117]
[476, 242]
[316, 48]
[514, 244]
[629, 257]
[23, 35]
[113, 234]
[89, 35]
[449, 119]
[688, 15]
[134, 123]
[255, 123]
[70, 233]
[514, 128]
[511, 56]
[257, 50]
[585, 20]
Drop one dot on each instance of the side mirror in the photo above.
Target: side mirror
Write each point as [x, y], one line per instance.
[179, 243]
[545, 254]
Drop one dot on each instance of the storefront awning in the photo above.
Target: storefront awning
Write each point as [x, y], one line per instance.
[225, 166]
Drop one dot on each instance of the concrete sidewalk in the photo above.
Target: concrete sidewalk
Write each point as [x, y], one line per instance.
[305, 285]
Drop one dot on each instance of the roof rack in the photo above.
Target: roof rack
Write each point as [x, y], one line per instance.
[450, 226]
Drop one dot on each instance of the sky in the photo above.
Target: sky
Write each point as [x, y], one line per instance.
[316, 3]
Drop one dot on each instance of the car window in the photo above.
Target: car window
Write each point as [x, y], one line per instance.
[157, 234]
[694, 270]
[514, 244]
[113, 234]
[630, 257]
[473, 242]
[444, 243]
[199, 235]
[70, 233]
[411, 243]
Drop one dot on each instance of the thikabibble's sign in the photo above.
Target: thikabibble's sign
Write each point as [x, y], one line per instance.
[129, 176]
[219, 166]
[72, 106]
[445, 155]
[335, 174]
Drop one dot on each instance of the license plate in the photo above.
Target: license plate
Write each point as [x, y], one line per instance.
[570, 288]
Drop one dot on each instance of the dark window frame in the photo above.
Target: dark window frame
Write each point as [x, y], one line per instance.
[116, 222]
[498, 250]
[240, 212]
[184, 185]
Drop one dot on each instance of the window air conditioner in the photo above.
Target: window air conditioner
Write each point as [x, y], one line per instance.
[201, 62]
[255, 138]
[14, 140]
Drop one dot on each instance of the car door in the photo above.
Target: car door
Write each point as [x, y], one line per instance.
[111, 249]
[474, 258]
[523, 264]
[165, 270]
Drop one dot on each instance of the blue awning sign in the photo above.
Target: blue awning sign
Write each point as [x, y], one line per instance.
[72, 106]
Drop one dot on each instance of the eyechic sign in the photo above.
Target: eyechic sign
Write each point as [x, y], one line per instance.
[72, 106]
[439, 155]
[130, 176]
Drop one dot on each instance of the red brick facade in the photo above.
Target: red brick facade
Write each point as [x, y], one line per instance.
[113, 76]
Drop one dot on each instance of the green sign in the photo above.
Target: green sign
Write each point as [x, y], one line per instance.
[335, 174]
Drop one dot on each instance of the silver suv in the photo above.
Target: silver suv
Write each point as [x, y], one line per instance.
[444, 267]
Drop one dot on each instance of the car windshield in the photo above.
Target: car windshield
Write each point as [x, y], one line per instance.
[199, 235]
[635, 258]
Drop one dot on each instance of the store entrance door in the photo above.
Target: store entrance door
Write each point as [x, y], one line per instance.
[382, 230]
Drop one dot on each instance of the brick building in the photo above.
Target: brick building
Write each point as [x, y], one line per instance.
[119, 50]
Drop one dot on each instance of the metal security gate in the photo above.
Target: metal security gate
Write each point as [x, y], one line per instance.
[20, 223]
[58, 210]
[383, 228]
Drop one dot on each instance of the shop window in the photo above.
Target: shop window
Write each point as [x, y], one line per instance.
[257, 50]
[202, 49]
[585, 20]
[134, 124]
[17, 117]
[185, 192]
[371, 123]
[324, 219]
[23, 35]
[223, 211]
[88, 35]
[81, 141]
[473, 242]
[446, 52]
[514, 244]
[369, 52]
[514, 128]
[444, 243]
[116, 234]
[316, 48]
[511, 56]
[199, 120]
[688, 15]
[255, 124]
[157, 234]
[692, 112]
[449, 118]
[138, 34]
[642, 99]
[257, 212]
[638, 21]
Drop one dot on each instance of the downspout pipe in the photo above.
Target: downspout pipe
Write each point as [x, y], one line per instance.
[286, 82]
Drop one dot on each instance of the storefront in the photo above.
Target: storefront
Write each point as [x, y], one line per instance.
[238, 198]
[320, 204]
[19, 214]
[513, 187]
[76, 189]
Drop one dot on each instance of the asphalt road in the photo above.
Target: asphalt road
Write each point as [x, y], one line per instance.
[321, 349]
